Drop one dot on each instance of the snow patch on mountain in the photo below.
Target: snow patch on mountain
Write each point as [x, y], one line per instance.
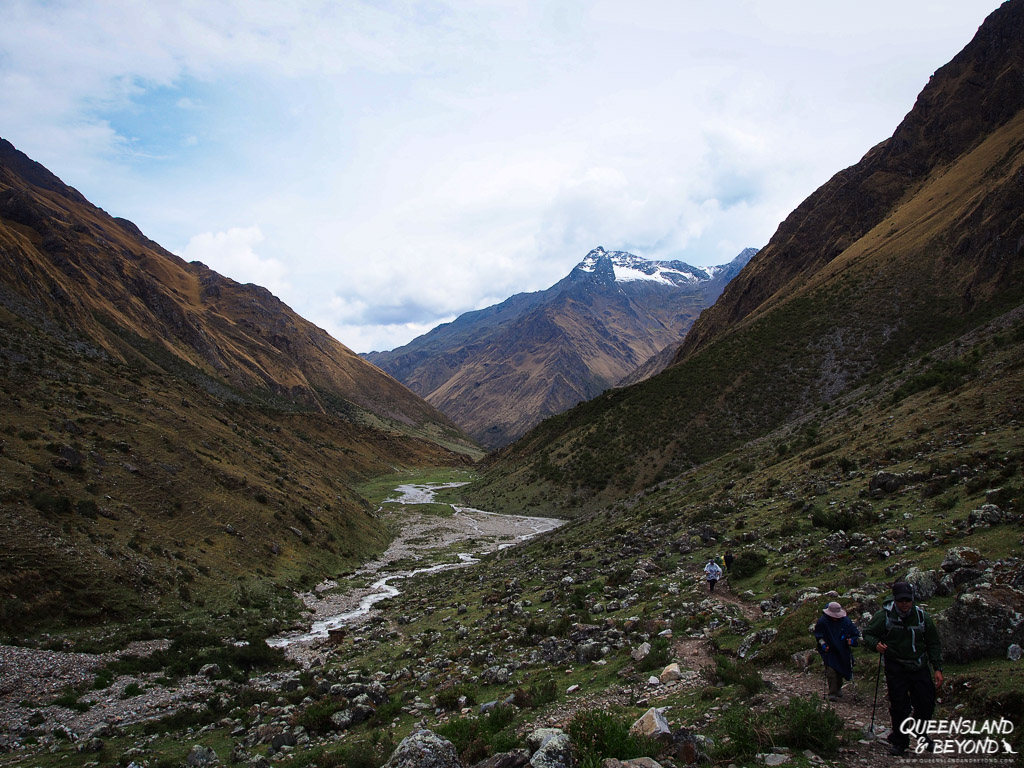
[629, 268]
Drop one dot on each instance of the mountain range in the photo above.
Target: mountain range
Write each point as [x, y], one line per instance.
[180, 455]
[499, 371]
[894, 257]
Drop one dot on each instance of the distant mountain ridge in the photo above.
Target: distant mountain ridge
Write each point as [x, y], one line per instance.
[499, 371]
[913, 247]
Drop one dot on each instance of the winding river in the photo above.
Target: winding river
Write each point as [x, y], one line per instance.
[484, 531]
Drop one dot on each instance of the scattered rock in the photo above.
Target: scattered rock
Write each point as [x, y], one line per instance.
[424, 749]
[200, 757]
[652, 724]
[982, 623]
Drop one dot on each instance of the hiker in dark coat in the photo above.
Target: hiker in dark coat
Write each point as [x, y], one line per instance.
[729, 557]
[836, 636]
[907, 637]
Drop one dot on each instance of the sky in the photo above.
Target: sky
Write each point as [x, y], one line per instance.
[386, 166]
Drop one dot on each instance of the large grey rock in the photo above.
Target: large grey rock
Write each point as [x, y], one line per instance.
[517, 758]
[925, 583]
[200, 757]
[424, 749]
[653, 725]
[556, 752]
[962, 557]
[541, 736]
[761, 637]
[982, 623]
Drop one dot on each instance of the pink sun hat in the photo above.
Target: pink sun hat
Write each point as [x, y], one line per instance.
[835, 610]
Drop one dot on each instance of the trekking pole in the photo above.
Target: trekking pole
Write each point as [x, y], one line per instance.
[878, 677]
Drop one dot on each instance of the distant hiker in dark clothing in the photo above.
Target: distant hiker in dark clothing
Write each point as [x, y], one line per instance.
[729, 557]
[712, 572]
[908, 638]
[836, 636]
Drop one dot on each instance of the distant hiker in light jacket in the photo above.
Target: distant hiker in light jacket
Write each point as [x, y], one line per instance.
[907, 637]
[712, 572]
[836, 636]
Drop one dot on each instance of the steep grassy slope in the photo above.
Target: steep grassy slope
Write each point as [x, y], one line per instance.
[171, 439]
[126, 491]
[65, 260]
[914, 246]
[884, 480]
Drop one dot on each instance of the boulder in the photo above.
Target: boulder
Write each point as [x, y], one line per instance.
[982, 623]
[671, 673]
[424, 749]
[641, 652]
[986, 513]
[541, 736]
[514, 759]
[962, 557]
[556, 752]
[653, 725]
[886, 482]
[200, 757]
[761, 637]
[925, 583]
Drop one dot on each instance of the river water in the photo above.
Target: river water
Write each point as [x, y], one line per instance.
[481, 531]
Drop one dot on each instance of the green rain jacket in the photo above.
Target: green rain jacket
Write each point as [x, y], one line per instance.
[913, 640]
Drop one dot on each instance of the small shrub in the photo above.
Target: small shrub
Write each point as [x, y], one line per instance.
[538, 694]
[800, 724]
[836, 519]
[748, 563]
[316, 718]
[809, 724]
[596, 735]
[70, 700]
[448, 698]
[475, 738]
[738, 673]
[659, 657]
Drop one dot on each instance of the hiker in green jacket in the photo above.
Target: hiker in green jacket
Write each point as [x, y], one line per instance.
[909, 641]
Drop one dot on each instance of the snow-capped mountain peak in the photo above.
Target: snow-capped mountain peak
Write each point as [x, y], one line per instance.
[626, 267]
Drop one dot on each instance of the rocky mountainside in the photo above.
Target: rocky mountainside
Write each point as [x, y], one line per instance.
[163, 423]
[66, 261]
[914, 246]
[499, 371]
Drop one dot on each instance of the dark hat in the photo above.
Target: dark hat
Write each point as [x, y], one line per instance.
[902, 589]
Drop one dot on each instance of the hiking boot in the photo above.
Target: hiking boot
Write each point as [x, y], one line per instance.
[896, 751]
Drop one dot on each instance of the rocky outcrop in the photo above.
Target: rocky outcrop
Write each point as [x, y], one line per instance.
[424, 749]
[982, 623]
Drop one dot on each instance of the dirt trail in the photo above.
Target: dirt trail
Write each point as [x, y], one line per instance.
[855, 707]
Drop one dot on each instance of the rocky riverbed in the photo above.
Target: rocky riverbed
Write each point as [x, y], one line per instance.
[461, 537]
[31, 679]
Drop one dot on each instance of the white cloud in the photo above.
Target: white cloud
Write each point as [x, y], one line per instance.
[232, 253]
[402, 162]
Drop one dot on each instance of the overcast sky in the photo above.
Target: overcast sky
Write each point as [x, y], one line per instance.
[386, 166]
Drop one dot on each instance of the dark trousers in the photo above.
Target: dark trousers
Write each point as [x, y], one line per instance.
[911, 693]
[711, 585]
